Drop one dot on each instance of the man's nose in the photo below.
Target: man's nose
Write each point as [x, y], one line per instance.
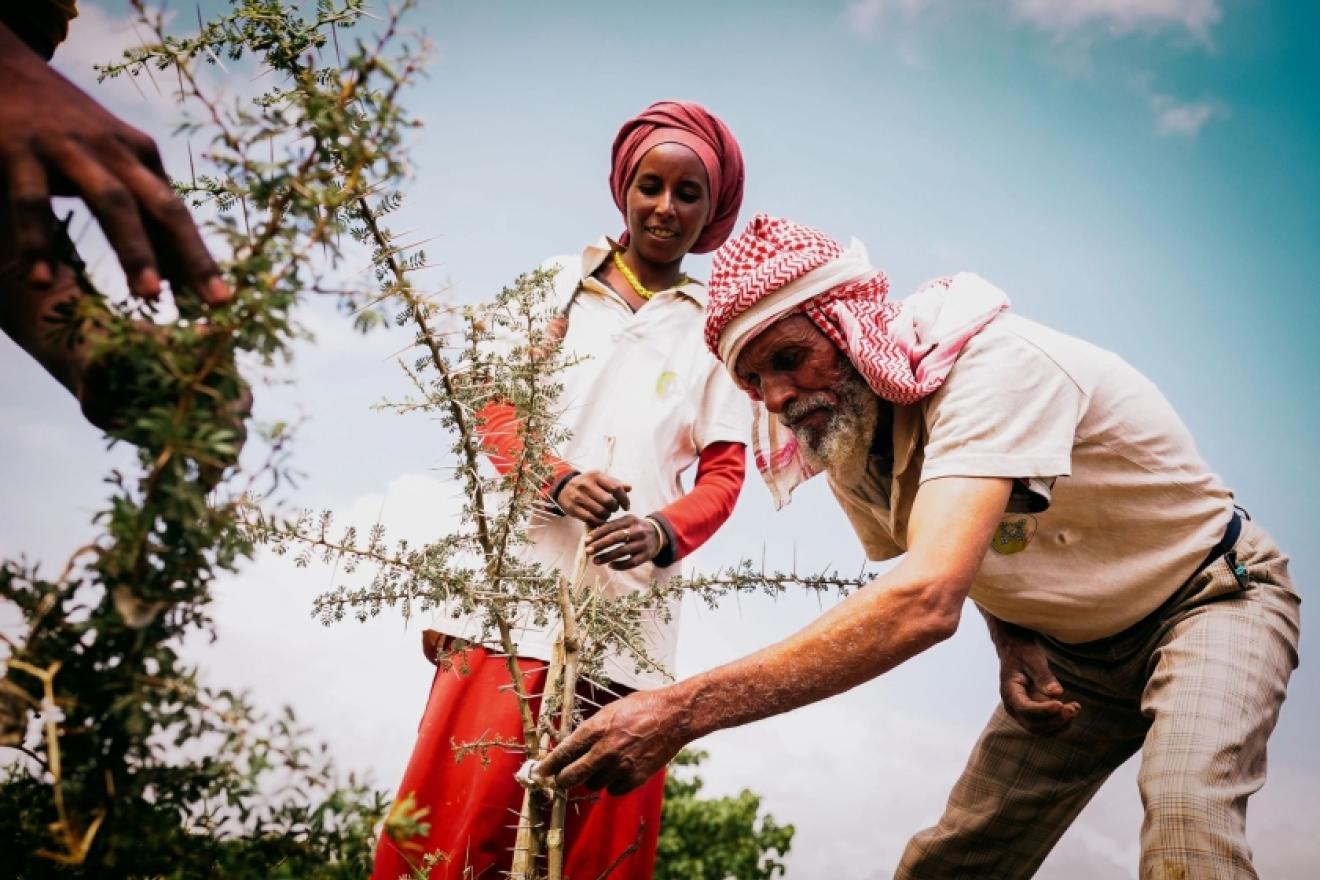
[777, 393]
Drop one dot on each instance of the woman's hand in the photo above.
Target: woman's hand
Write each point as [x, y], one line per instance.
[625, 542]
[593, 497]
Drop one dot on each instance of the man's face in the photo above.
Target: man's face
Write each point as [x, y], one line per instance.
[815, 391]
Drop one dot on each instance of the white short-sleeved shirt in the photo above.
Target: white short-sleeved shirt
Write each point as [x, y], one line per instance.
[1117, 507]
[647, 380]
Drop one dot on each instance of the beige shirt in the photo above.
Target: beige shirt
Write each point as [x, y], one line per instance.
[1115, 510]
[647, 380]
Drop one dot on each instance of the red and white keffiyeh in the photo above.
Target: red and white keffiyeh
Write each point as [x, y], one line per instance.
[903, 349]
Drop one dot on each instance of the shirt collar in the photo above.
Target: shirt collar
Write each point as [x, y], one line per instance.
[906, 434]
[593, 255]
[908, 422]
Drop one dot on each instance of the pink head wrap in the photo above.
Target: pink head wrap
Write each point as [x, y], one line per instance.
[693, 126]
[904, 350]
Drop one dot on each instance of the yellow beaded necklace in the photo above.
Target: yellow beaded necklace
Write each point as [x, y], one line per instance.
[637, 286]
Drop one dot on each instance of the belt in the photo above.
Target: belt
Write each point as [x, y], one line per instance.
[1142, 627]
[1225, 545]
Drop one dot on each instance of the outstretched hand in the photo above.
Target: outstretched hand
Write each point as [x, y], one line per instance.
[1032, 695]
[56, 140]
[622, 745]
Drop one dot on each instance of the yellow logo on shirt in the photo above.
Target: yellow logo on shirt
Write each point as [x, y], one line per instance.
[665, 384]
[1013, 535]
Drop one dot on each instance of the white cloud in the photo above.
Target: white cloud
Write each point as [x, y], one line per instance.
[865, 16]
[1174, 118]
[1063, 17]
[359, 686]
[1058, 17]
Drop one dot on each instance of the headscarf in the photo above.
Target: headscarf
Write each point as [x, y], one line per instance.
[693, 126]
[904, 350]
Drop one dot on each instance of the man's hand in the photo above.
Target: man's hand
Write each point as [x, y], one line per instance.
[1031, 693]
[624, 543]
[593, 497]
[98, 376]
[619, 747]
[55, 140]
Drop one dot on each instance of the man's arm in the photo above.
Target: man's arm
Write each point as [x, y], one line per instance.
[894, 618]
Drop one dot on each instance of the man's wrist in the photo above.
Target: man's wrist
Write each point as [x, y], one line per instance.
[1008, 638]
[1002, 632]
[694, 715]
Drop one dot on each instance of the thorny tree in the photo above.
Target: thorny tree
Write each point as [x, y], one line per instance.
[124, 763]
[504, 350]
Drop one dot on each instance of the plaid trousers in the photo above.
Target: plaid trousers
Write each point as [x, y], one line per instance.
[1196, 686]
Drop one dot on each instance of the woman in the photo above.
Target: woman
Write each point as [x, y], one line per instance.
[639, 374]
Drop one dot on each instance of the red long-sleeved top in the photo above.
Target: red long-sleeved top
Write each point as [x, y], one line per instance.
[688, 523]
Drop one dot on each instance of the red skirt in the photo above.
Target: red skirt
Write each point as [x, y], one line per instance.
[474, 806]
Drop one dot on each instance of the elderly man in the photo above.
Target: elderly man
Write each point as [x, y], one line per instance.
[1052, 484]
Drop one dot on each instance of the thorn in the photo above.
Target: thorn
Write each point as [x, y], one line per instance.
[147, 67]
[133, 80]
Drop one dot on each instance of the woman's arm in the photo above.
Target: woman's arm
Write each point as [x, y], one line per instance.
[693, 519]
[500, 433]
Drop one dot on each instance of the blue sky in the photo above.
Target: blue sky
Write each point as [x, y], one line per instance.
[1142, 173]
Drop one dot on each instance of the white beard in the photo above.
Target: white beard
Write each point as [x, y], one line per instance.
[844, 444]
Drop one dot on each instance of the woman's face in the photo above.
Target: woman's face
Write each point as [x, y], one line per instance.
[668, 202]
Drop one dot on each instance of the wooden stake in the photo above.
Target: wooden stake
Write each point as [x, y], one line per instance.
[562, 678]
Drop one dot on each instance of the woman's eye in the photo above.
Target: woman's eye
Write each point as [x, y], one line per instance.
[649, 189]
[691, 196]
